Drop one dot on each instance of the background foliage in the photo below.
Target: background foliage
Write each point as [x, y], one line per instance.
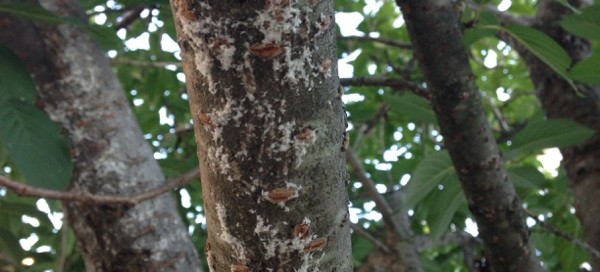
[393, 130]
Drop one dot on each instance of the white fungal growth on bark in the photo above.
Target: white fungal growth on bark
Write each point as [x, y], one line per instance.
[202, 59]
[220, 118]
[281, 18]
[111, 161]
[221, 159]
[222, 47]
[274, 245]
[226, 53]
[297, 68]
[301, 144]
[236, 245]
[278, 19]
[285, 141]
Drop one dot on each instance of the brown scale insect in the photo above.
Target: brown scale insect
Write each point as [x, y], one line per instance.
[280, 195]
[325, 22]
[205, 120]
[267, 50]
[316, 245]
[306, 134]
[301, 230]
[239, 268]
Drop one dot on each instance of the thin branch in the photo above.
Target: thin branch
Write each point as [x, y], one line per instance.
[502, 123]
[183, 129]
[380, 203]
[158, 64]
[394, 83]
[423, 243]
[108, 10]
[507, 135]
[27, 190]
[129, 16]
[62, 257]
[560, 233]
[362, 232]
[386, 41]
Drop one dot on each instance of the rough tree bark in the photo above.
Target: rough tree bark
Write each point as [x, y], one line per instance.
[269, 124]
[560, 100]
[436, 35]
[79, 90]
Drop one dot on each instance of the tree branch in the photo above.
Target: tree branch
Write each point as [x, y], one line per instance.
[381, 204]
[62, 254]
[404, 247]
[129, 16]
[394, 83]
[423, 243]
[362, 232]
[560, 233]
[27, 190]
[439, 47]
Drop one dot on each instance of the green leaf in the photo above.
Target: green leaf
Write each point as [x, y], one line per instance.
[542, 46]
[587, 70]
[568, 5]
[414, 107]
[15, 81]
[361, 248]
[571, 255]
[448, 201]
[474, 34]
[526, 177]
[432, 170]
[586, 24]
[487, 26]
[18, 209]
[9, 247]
[33, 12]
[106, 36]
[35, 144]
[548, 133]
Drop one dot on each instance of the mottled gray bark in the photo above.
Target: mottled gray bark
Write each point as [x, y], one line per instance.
[79, 90]
[560, 100]
[269, 124]
[436, 36]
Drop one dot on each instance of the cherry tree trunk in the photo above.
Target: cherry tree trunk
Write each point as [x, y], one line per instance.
[80, 91]
[269, 123]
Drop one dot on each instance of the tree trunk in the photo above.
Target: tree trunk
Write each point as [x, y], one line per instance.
[79, 90]
[560, 100]
[436, 35]
[269, 124]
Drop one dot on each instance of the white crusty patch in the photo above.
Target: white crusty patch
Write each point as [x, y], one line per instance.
[236, 245]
